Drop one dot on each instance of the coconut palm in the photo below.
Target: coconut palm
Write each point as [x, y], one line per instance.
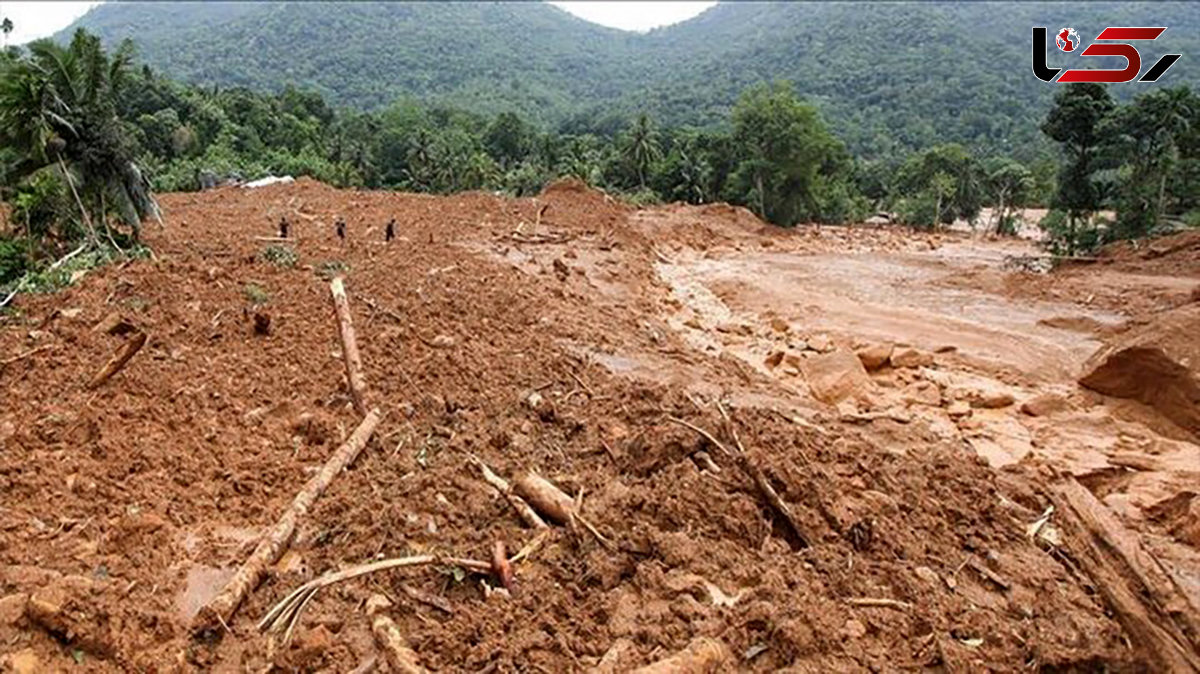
[641, 146]
[58, 108]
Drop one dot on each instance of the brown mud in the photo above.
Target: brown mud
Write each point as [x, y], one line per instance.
[562, 343]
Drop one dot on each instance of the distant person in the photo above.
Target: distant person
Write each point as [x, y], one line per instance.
[389, 232]
[340, 228]
[283, 227]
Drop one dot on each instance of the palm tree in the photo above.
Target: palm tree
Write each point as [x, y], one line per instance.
[641, 146]
[58, 107]
[6, 27]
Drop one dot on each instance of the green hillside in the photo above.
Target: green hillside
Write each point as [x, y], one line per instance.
[887, 76]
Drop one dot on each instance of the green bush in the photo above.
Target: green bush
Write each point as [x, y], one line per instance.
[14, 260]
[255, 294]
[280, 256]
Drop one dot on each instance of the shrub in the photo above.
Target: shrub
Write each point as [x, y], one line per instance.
[280, 256]
[255, 294]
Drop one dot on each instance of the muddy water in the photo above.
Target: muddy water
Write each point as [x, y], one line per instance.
[894, 297]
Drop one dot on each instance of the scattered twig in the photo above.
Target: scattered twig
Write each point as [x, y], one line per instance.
[753, 472]
[24, 279]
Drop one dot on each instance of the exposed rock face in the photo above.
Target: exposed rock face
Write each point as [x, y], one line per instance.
[1158, 364]
[910, 357]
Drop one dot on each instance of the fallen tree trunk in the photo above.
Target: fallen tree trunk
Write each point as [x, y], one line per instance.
[275, 542]
[354, 377]
[702, 655]
[119, 359]
[1133, 582]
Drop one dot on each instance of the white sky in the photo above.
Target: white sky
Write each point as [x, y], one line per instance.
[32, 20]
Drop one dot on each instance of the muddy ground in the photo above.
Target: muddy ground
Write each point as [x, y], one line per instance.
[562, 341]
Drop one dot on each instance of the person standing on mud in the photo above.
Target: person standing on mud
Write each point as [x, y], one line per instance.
[283, 227]
[340, 228]
[389, 232]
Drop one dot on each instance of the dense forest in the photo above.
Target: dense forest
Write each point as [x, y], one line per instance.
[887, 77]
[89, 131]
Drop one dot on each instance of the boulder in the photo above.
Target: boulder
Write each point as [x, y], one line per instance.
[875, 356]
[910, 358]
[1045, 404]
[1157, 363]
[835, 376]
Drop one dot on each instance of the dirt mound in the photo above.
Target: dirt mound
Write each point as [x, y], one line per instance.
[158, 484]
[1157, 363]
[1177, 254]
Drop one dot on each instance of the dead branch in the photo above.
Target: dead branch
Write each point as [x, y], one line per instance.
[119, 359]
[21, 284]
[354, 377]
[528, 514]
[1152, 607]
[287, 612]
[25, 354]
[753, 472]
[879, 603]
[703, 654]
[501, 567]
[277, 539]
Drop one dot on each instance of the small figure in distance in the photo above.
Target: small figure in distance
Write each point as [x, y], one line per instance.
[389, 232]
[283, 227]
[340, 227]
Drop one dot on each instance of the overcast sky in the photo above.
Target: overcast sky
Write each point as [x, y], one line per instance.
[32, 20]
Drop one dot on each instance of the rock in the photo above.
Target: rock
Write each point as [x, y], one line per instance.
[22, 662]
[693, 324]
[1157, 363]
[12, 608]
[958, 408]
[836, 376]
[1045, 404]
[854, 629]
[772, 361]
[928, 575]
[735, 328]
[820, 343]
[990, 399]
[909, 357]
[780, 325]
[923, 393]
[875, 356]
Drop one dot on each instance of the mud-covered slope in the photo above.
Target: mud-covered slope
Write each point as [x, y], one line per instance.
[126, 507]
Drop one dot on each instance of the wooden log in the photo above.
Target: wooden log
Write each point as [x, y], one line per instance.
[1142, 594]
[354, 377]
[275, 542]
[702, 655]
[546, 498]
[528, 514]
[119, 359]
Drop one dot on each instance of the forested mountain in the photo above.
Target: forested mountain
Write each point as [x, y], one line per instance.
[887, 76]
